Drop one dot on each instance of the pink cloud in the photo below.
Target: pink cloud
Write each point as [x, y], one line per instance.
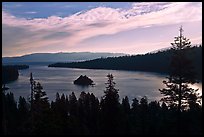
[103, 21]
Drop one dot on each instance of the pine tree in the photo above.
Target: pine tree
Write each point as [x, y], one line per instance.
[32, 82]
[126, 105]
[39, 94]
[57, 97]
[94, 113]
[182, 74]
[23, 116]
[9, 111]
[39, 107]
[111, 94]
[135, 104]
[72, 104]
[143, 114]
[110, 107]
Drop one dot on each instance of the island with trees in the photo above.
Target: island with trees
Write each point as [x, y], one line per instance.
[83, 80]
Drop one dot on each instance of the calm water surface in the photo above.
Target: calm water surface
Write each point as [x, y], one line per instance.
[130, 83]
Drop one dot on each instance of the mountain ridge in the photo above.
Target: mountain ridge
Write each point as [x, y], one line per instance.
[58, 57]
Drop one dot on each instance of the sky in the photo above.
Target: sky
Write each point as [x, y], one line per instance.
[117, 27]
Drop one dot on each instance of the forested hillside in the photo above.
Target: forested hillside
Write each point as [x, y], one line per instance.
[151, 62]
[10, 72]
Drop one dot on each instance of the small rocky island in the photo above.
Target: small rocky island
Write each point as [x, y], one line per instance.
[84, 81]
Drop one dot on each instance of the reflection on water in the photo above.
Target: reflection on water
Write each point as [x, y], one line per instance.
[130, 83]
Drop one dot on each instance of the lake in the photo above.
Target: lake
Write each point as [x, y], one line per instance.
[130, 83]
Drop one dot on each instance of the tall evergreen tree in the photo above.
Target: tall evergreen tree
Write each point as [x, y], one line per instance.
[72, 104]
[94, 113]
[39, 107]
[143, 114]
[181, 75]
[110, 107]
[10, 115]
[135, 104]
[126, 105]
[23, 116]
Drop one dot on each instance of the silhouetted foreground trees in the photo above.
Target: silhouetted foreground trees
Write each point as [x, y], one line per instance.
[87, 115]
[182, 74]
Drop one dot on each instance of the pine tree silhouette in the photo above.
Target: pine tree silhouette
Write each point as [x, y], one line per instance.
[177, 91]
[110, 107]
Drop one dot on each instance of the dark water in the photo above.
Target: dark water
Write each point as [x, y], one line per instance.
[130, 83]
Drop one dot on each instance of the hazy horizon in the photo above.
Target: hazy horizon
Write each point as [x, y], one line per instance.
[62, 53]
[113, 27]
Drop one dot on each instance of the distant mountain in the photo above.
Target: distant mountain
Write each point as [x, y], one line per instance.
[58, 57]
[151, 62]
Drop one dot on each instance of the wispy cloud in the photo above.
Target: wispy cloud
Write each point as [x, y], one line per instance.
[104, 21]
[30, 12]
